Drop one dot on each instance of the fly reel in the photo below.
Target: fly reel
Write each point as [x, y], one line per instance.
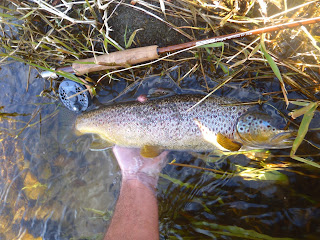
[75, 96]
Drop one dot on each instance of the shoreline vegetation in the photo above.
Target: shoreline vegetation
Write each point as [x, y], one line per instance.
[55, 33]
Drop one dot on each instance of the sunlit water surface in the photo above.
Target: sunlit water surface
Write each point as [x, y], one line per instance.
[53, 187]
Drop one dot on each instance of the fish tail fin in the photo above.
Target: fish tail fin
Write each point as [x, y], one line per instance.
[66, 129]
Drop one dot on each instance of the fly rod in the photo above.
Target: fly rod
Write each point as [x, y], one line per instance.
[125, 58]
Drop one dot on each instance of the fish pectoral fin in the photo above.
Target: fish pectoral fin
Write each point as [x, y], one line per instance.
[227, 143]
[148, 151]
[100, 145]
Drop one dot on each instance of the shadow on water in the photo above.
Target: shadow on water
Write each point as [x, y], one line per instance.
[54, 187]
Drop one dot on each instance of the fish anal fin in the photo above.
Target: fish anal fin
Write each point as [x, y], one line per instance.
[227, 143]
[100, 145]
[148, 151]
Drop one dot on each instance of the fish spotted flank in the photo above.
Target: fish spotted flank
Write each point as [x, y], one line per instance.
[166, 123]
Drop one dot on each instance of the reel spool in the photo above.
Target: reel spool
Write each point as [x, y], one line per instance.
[74, 96]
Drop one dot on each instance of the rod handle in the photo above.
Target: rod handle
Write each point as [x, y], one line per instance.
[120, 59]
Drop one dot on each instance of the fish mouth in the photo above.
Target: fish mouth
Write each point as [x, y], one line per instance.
[258, 129]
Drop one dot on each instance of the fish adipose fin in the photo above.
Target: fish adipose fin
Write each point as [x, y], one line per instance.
[227, 143]
[100, 145]
[148, 151]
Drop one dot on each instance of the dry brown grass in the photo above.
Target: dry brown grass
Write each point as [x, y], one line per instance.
[51, 34]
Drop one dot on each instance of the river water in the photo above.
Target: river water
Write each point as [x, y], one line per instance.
[53, 187]
[50, 188]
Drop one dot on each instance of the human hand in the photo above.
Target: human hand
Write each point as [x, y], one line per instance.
[134, 166]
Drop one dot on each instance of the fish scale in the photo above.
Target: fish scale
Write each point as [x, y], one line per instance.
[165, 123]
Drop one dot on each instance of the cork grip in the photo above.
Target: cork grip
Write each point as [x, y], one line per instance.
[120, 59]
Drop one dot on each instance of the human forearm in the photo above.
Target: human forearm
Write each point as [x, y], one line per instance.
[136, 213]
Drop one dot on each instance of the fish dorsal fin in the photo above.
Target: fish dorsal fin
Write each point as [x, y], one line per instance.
[159, 92]
[227, 143]
[148, 151]
[100, 145]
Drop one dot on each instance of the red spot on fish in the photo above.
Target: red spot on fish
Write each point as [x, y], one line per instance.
[142, 98]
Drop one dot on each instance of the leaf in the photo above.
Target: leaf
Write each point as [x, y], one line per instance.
[106, 215]
[274, 175]
[255, 50]
[213, 45]
[274, 68]
[303, 129]
[263, 174]
[107, 40]
[300, 103]
[28, 14]
[177, 181]
[234, 231]
[4, 15]
[56, 40]
[63, 74]
[93, 91]
[300, 159]
[129, 43]
[70, 76]
[299, 112]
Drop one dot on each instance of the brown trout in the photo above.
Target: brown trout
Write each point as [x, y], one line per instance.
[169, 123]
